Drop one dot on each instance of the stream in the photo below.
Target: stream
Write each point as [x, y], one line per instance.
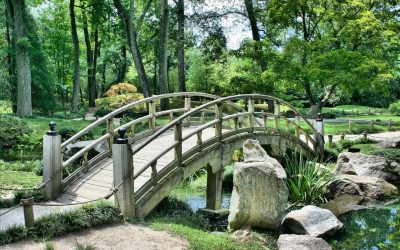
[373, 228]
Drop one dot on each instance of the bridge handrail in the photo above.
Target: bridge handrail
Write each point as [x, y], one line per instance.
[218, 101]
[132, 105]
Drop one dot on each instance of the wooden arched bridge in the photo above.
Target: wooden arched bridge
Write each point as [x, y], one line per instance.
[143, 167]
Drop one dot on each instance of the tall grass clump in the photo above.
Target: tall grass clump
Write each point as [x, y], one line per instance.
[307, 181]
[87, 216]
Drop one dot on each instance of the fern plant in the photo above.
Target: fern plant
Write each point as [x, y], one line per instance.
[307, 181]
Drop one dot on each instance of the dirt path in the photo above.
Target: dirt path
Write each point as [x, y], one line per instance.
[117, 237]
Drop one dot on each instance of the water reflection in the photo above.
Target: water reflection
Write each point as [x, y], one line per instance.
[199, 201]
[377, 228]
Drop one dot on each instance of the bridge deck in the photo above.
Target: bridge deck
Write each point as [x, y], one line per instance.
[98, 181]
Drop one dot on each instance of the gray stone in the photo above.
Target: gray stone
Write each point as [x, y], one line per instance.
[371, 187]
[389, 144]
[312, 220]
[368, 165]
[259, 192]
[343, 204]
[301, 242]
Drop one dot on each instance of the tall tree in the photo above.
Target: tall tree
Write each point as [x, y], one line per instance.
[17, 13]
[75, 41]
[131, 30]
[163, 54]
[181, 45]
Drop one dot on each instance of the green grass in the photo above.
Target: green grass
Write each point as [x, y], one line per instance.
[372, 149]
[203, 240]
[350, 109]
[383, 117]
[19, 179]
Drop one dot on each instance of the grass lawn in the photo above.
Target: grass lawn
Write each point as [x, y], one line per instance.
[384, 117]
[19, 179]
[349, 109]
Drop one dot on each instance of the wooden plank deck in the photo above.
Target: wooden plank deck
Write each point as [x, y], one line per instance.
[98, 181]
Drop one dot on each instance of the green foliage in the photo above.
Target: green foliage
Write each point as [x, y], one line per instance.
[227, 179]
[394, 108]
[12, 234]
[87, 216]
[18, 179]
[12, 130]
[102, 112]
[307, 181]
[26, 166]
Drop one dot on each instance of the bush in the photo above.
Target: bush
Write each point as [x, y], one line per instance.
[394, 108]
[227, 179]
[11, 234]
[68, 132]
[12, 131]
[102, 112]
[307, 181]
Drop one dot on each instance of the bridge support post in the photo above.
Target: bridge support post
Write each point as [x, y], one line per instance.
[123, 175]
[319, 136]
[214, 188]
[52, 172]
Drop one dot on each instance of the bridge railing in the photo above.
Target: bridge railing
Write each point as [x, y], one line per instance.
[239, 122]
[81, 157]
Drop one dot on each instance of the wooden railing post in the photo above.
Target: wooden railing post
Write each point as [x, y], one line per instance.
[152, 113]
[251, 115]
[153, 169]
[178, 139]
[202, 118]
[110, 131]
[319, 136]
[265, 118]
[52, 173]
[187, 109]
[236, 123]
[276, 114]
[297, 120]
[123, 173]
[199, 138]
[27, 203]
[350, 127]
[218, 115]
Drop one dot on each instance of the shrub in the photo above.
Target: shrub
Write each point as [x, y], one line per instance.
[12, 131]
[102, 112]
[307, 181]
[227, 179]
[66, 132]
[11, 234]
[394, 108]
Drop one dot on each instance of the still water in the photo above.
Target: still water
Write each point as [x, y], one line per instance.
[370, 229]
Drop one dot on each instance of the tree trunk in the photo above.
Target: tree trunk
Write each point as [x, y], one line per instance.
[24, 104]
[89, 59]
[122, 66]
[163, 56]
[127, 20]
[10, 57]
[255, 33]
[95, 56]
[181, 45]
[76, 77]
[314, 110]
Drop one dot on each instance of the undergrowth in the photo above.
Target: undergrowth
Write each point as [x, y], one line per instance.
[56, 224]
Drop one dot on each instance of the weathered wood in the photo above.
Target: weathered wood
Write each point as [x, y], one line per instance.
[52, 174]
[214, 188]
[187, 109]
[251, 112]
[110, 131]
[218, 116]
[152, 114]
[297, 121]
[178, 147]
[29, 217]
[276, 114]
[153, 169]
[123, 173]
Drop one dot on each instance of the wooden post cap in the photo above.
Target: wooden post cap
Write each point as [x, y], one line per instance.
[52, 128]
[122, 139]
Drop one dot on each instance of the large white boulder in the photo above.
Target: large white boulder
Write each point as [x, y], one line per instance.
[259, 192]
[312, 220]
